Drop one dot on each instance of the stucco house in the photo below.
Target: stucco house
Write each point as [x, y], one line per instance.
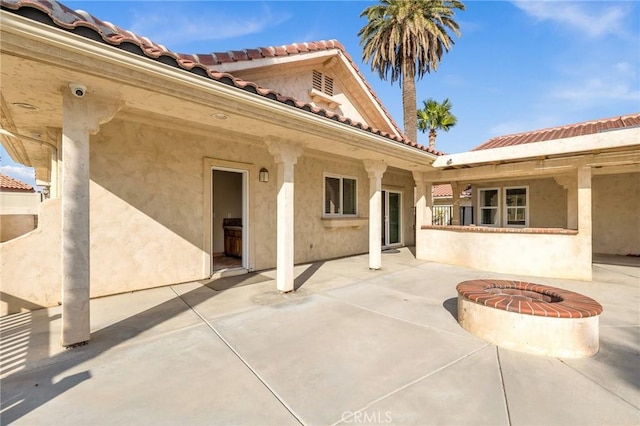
[165, 167]
[140, 146]
[544, 201]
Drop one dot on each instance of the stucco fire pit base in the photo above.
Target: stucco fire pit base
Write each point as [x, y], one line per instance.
[530, 318]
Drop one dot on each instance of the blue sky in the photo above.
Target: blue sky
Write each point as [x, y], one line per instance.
[518, 66]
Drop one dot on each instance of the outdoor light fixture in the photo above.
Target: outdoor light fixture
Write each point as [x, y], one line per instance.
[263, 176]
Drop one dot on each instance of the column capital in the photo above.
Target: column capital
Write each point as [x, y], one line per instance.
[89, 114]
[568, 182]
[418, 177]
[375, 168]
[283, 151]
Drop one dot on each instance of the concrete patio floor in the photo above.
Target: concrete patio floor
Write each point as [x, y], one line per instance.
[350, 346]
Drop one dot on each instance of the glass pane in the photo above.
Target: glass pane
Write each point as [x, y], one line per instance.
[349, 194]
[516, 216]
[331, 195]
[516, 197]
[394, 218]
[489, 216]
[489, 197]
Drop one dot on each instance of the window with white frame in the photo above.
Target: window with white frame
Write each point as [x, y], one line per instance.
[340, 196]
[516, 206]
[488, 207]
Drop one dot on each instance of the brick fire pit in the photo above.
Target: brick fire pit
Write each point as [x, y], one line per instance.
[529, 317]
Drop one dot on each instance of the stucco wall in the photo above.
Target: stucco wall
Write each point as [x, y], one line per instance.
[298, 84]
[14, 225]
[31, 264]
[547, 201]
[148, 214]
[616, 214]
[543, 255]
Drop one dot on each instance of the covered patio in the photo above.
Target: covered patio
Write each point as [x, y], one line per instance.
[349, 346]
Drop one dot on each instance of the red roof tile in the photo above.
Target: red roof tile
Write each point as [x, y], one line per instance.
[567, 131]
[75, 21]
[296, 49]
[7, 183]
[445, 191]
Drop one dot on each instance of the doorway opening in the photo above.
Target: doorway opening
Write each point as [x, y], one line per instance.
[229, 219]
[391, 218]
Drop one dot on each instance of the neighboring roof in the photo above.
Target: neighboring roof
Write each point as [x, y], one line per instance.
[83, 24]
[445, 191]
[560, 132]
[217, 58]
[9, 184]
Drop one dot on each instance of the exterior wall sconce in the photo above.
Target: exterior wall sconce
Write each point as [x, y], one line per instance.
[263, 176]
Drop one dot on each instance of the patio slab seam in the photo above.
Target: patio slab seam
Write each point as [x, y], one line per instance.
[409, 384]
[393, 317]
[504, 389]
[241, 358]
[598, 384]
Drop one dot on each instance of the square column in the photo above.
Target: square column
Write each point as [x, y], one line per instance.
[80, 119]
[420, 201]
[569, 183]
[584, 201]
[75, 222]
[375, 169]
[455, 209]
[286, 155]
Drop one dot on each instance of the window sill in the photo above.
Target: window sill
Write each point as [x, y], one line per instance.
[333, 223]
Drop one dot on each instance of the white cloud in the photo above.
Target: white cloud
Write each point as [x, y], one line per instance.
[21, 173]
[597, 89]
[599, 84]
[584, 17]
[172, 29]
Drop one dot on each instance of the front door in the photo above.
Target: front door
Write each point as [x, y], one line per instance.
[391, 218]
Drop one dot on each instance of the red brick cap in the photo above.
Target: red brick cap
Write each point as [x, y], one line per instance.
[515, 296]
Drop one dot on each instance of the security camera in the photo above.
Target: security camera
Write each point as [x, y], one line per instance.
[78, 90]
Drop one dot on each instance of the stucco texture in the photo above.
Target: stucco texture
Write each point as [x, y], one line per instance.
[547, 201]
[616, 214]
[148, 213]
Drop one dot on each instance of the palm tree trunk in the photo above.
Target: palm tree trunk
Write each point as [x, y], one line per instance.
[432, 138]
[409, 106]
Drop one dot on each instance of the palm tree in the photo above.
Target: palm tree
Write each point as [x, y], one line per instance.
[435, 116]
[407, 38]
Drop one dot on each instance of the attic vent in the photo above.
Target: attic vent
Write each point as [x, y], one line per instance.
[328, 85]
[317, 80]
[322, 83]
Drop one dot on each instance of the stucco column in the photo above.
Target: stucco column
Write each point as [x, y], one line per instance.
[285, 155]
[375, 169]
[80, 119]
[584, 204]
[455, 213]
[428, 207]
[420, 201]
[569, 183]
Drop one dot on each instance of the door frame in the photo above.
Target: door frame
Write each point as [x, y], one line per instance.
[246, 169]
[385, 218]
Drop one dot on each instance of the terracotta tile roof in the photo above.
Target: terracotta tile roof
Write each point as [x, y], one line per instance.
[445, 191]
[9, 184]
[290, 50]
[86, 25]
[567, 131]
